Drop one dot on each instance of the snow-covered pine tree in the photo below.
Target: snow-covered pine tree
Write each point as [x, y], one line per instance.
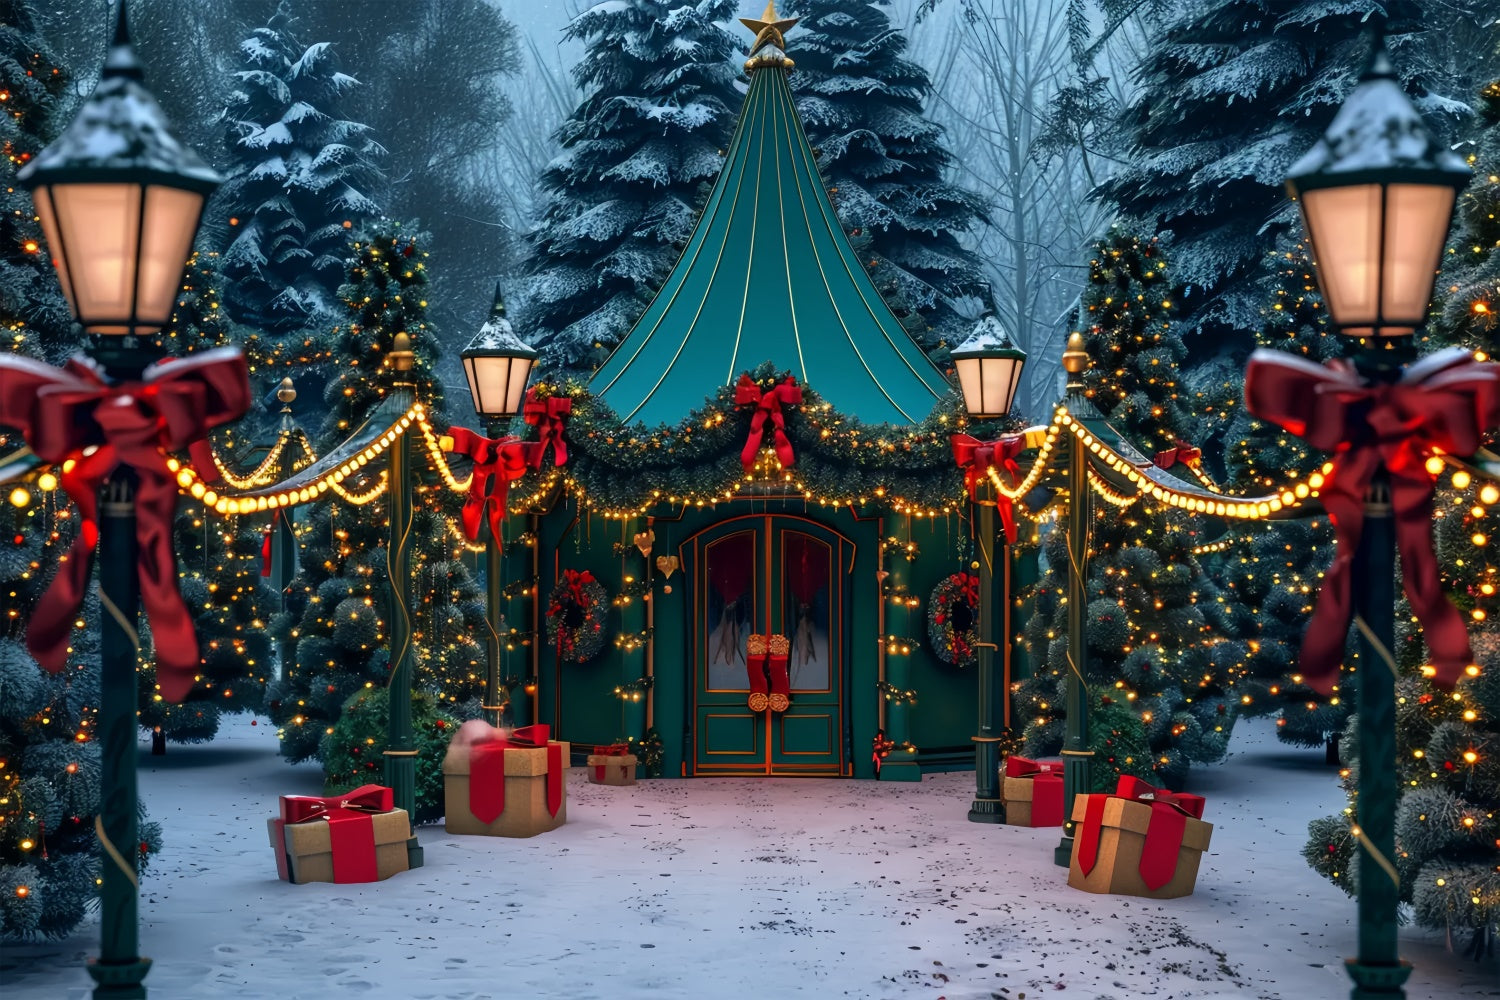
[32, 83]
[1163, 655]
[883, 161]
[1233, 93]
[298, 184]
[637, 154]
[1468, 313]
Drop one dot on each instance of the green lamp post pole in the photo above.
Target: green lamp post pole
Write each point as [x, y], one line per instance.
[497, 365]
[1076, 751]
[989, 370]
[1377, 194]
[401, 751]
[283, 522]
[119, 199]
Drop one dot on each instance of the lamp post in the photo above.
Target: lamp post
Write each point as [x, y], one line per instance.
[1377, 195]
[989, 371]
[497, 364]
[283, 521]
[401, 750]
[120, 200]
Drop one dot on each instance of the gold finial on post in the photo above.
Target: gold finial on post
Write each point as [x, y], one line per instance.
[1075, 358]
[286, 392]
[770, 30]
[401, 356]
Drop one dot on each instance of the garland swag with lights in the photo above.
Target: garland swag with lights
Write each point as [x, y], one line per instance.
[953, 619]
[835, 458]
[575, 616]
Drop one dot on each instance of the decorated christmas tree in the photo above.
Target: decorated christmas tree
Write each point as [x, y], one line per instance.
[1468, 312]
[884, 162]
[299, 182]
[1162, 654]
[636, 156]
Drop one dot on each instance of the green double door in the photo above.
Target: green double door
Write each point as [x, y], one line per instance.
[769, 575]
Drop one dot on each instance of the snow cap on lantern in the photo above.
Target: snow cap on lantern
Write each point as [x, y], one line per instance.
[1377, 193]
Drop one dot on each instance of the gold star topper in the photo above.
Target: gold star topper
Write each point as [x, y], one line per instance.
[771, 29]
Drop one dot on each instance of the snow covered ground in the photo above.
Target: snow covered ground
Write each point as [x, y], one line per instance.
[734, 888]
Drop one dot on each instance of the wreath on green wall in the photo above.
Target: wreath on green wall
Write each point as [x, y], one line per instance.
[575, 616]
[953, 619]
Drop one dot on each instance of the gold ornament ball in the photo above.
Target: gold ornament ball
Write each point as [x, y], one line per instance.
[667, 589]
[974, 564]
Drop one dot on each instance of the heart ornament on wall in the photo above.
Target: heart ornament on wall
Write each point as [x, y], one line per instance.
[643, 540]
[667, 564]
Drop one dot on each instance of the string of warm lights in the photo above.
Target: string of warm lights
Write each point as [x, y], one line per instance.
[360, 499]
[440, 460]
[1108, 493]
[263, 473]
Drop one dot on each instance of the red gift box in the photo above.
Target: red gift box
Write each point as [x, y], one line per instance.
[1140, 841]
[505, 786]
[355, 837]
[1032, 792]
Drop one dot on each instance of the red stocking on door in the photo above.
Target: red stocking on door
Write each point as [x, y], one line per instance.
[778, 648]
[755, 667]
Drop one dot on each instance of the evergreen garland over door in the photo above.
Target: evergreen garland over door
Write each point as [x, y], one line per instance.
[758, 576]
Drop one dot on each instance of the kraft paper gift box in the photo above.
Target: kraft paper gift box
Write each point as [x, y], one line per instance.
[1032, 792]
[1141, 841]
[512, 787]
[356, 837]
[612, 765]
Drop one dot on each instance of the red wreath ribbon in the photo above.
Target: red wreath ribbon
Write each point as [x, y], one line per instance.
[487, 771]
[1164, 831]
[74, 413]
[1443, 404]
[351, 831]
[1182, 452]
[548, 417]
[768, 404]
[977, 457]
[498, 462]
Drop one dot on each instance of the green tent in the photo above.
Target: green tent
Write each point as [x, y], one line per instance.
[768, 275]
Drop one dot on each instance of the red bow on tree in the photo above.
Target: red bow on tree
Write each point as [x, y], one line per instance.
[768, 404]
[73, 413]
[1183, 452]
[547, 415]
[977, 457]
[1442, 404]
[497, 463]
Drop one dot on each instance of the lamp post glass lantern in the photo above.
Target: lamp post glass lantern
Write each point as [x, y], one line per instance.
[1377, 194]
[989, 368]
[119, 199]
[497, 364]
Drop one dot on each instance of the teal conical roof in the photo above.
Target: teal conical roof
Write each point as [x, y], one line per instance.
[768, 275]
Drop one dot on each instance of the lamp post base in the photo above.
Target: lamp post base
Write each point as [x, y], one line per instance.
[1062, 854]
[1377, 982]
[987, 811]
[119, 980]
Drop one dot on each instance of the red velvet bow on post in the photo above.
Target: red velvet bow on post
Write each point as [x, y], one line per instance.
[497, 463]
[977, 457]
[768, 404]
[65, 412]
[1442, 404]
[1182, 452]
[547, 415]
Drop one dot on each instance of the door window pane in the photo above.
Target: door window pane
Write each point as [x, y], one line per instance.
[729, 609]
[807, 575]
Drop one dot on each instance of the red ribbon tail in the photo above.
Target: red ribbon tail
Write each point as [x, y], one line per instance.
[50, 630]
[1088, 834]
[554, 778]
[1443, 626]
[1007, 517]
[783, 445]
[487, 781]
[1164, 833]
[172, 633]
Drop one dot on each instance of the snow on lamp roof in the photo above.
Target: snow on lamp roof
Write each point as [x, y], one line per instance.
[120, 132]
[497, 336]
[1377, 129]
[988, 336]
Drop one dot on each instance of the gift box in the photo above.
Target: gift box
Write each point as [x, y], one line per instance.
[1140, 841]
[356, 837]
[612, 765]
[1032, 792]
[500, 786]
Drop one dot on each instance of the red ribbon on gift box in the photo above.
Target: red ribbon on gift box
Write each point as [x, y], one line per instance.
[1442, 405]
[1164, 831]
[487, 771]
[351, 830]
[768, 404]
[613, 750]
[1046, 788]
[75, 413]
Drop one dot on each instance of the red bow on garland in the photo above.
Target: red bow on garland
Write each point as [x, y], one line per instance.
[1183, 452]
[497, 463]
[977, 457]
[1442, 404]
[74, 413]
[547, 415]
[768, 404]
